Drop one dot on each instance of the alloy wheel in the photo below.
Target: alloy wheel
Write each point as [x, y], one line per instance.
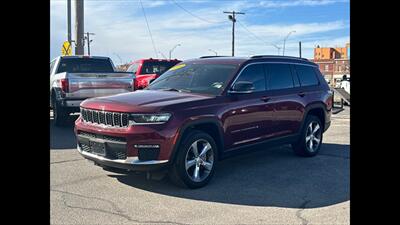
[313, 136]
[199, 160]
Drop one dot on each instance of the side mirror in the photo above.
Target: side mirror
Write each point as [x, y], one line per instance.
[242, 87]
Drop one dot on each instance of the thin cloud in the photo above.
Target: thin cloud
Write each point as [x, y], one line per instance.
[120, 30]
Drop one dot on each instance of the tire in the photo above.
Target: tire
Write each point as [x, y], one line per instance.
[204, 164]
[60, 114]
[310, 133]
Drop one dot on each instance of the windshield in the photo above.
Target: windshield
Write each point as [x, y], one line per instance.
[85, 65]
[197, 78]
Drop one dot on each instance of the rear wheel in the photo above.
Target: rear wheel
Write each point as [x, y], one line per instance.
[310, 138]
[195, 162]
[60, 114]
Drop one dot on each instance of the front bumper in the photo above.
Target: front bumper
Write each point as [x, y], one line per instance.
[129, 147]
[130, 163]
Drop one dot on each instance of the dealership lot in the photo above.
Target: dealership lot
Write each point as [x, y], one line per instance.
[270, 186]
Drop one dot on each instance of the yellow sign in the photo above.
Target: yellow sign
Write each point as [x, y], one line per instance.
[177, 67]
[66, 49]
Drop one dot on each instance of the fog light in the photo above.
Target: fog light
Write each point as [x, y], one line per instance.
[147, 151]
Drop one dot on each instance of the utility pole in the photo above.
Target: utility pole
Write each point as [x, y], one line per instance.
[69, 21]
[232, 18]
[300, 49]
[88, 40]
[79, 28]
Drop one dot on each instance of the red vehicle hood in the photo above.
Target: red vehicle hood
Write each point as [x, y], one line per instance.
[141, 101]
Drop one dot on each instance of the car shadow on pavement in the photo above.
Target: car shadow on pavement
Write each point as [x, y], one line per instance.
[63, 137]
[270, 177]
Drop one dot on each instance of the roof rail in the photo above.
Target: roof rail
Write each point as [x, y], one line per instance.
[278, 57]
[212, 56]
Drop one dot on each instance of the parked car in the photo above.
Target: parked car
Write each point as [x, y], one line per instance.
[76, 78]
[147, 70]
[203, 110]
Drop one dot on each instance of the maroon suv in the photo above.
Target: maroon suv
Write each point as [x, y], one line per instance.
[202, 110]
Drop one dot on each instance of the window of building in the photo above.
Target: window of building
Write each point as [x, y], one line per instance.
[326, 67]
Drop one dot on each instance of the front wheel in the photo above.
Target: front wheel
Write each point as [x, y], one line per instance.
[310, 138]
[196, 160]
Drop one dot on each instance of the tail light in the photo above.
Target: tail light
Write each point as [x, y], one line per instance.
[135, 84]
[64, 85]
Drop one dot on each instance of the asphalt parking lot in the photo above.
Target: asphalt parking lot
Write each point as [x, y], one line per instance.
[272, 186]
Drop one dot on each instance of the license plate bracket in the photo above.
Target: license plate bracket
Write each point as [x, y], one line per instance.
[98, 148]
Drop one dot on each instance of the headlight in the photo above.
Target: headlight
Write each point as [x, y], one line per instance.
[149, 118]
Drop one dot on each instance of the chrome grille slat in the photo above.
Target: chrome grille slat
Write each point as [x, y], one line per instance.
[105, 118]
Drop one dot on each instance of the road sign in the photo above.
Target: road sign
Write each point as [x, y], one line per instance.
[66, 49]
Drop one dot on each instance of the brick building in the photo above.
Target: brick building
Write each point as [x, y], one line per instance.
[333, 62]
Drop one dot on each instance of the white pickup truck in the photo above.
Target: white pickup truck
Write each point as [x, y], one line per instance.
[76, 78]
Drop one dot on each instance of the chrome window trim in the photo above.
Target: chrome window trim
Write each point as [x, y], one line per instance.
[256, 63]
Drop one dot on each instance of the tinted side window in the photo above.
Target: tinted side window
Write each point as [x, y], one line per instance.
[306, 75]
[279, 76]
[255, 74]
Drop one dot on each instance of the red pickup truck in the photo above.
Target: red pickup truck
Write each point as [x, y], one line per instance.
[146, 70]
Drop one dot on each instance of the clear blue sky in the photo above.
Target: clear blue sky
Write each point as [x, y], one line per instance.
[121, 31]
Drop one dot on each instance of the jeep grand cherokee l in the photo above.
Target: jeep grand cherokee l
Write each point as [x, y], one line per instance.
[202, 110]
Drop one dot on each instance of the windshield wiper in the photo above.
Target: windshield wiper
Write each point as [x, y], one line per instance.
[174, 89]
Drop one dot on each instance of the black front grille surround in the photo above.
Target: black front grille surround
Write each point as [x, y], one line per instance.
[105, 118]
[104, 137]
[115, 147]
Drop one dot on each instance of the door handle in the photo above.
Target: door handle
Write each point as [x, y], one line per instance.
[301, 94]
[265, 98]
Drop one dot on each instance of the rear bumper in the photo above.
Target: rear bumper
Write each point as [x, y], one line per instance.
[131, 163]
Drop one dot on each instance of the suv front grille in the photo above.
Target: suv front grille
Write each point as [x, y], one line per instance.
[111, 119]
[100, 136]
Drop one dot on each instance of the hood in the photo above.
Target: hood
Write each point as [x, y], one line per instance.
[141, 101]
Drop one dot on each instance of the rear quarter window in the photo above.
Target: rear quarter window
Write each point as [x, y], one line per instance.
[307, 75]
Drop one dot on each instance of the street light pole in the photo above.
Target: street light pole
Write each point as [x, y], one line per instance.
[88, 40]
[213, 51]
[277, 47]
[170, 51]
[284, 41]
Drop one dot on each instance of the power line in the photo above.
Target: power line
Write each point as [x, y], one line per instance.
[190, 13]
[148, 27]
[244, 27]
